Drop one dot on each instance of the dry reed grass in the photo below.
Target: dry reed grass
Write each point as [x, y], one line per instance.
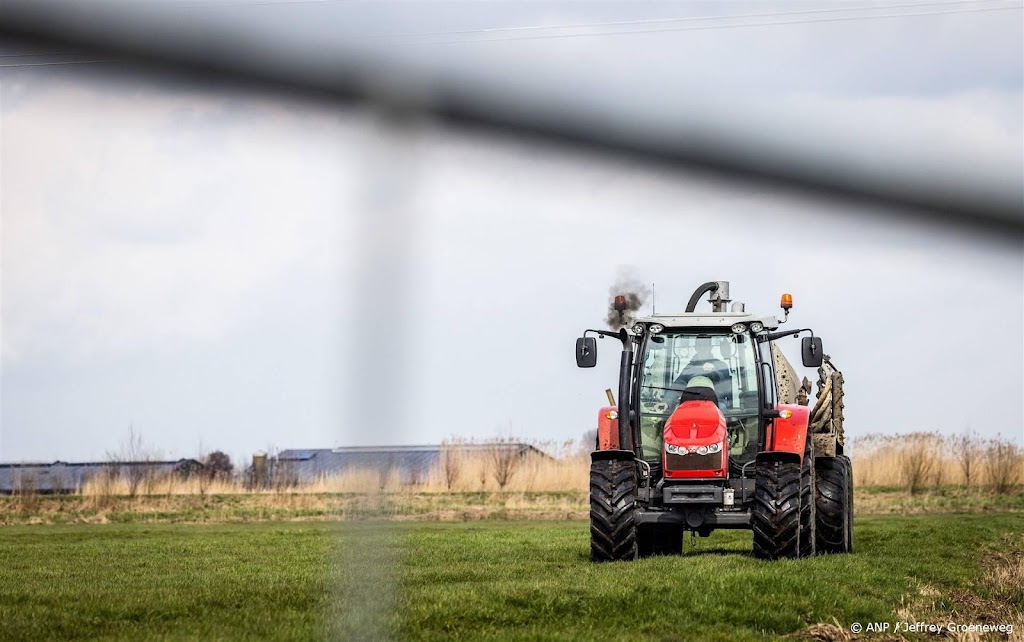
[551, 468]
[915, 462]
[925, 460]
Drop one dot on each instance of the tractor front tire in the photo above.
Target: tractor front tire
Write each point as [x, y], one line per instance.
[776, 512]
[832, 496]
[612, 501]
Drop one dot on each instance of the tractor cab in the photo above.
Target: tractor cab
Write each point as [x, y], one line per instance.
[721, 356]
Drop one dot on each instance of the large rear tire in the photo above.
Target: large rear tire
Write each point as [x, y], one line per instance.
[849, 501]
[776, 512]
[832, 496]
[807, 504]
[612, 501]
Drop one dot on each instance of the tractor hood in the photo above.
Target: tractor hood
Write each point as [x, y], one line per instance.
[695, 441]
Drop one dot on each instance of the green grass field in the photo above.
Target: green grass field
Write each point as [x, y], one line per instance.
[480, 580]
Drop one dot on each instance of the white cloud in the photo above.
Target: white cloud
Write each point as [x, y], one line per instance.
[126, 229]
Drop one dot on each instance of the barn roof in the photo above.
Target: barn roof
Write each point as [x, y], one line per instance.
[61, 476]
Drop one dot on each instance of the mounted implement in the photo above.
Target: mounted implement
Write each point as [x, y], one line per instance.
[711, 430]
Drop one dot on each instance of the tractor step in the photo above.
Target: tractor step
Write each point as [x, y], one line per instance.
[696, 517]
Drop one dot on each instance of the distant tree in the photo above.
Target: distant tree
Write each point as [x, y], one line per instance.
[219, 465]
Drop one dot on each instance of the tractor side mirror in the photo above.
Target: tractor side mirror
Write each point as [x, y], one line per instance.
[586, 352]
[811, 351]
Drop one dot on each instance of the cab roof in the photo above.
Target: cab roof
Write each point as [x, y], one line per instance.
[708, 320]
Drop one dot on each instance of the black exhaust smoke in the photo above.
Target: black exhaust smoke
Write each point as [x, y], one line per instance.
[625, 298]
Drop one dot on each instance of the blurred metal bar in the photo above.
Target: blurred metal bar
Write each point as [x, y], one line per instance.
[742, 144]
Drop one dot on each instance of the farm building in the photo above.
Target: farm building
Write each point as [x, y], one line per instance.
[65, 477]
[412, 463]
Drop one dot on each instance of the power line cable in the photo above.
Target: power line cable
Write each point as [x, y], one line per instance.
[600, 24]
[612, 33]
[584, 25]
[713, 27]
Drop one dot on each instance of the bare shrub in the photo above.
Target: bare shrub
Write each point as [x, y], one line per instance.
[503, 459]
[966, 448]
[203, 484]
[134, 461]
[938, 476]
[1003, 461]
[451, 462]
[385, 472]
[202, 478]
[918, 460]
[26, 488]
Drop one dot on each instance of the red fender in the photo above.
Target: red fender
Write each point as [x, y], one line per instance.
[789, 434]
[608, 428]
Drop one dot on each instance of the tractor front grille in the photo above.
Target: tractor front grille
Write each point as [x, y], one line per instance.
[693, 461]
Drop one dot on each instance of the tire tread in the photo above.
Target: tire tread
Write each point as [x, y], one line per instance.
[776, 510]
[612, 502]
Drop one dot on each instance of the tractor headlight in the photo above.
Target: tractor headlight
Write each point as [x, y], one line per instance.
[672, 449]
[703, 450]
[656, 328]
[739, 328]
[756, 327]
[638, 328]
[714, 448]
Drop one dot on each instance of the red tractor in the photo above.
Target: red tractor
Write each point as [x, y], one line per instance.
[711, 430]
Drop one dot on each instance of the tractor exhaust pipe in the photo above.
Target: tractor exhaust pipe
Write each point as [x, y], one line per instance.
[719, 296]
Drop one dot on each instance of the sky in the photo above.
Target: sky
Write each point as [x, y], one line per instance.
[217, 269]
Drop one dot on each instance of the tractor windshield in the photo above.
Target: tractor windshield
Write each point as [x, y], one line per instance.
[726, 361]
